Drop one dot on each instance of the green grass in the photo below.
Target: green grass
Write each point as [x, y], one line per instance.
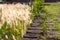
[53, 11]
[53, 8]
[13, 32]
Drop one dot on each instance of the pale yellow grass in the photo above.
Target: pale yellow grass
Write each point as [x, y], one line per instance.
[12, 12]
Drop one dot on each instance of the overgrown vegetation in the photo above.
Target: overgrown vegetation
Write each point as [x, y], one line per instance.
[54, 12]
[7, 33]
[54, 15]
[37, 7]
[51, 12]
[17, 21]
[38, 10]
[13, 32]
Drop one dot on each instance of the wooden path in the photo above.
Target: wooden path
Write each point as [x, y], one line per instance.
[35, 32]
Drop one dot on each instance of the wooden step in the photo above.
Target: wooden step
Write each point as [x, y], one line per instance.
[34, 31]
[54, 29]
[35, 24]
[30, 36]
[34, 28]
[52, 39]
[31, 33]
[29, 39]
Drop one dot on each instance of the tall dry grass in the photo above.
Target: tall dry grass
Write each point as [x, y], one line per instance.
[12, 12]
[15, 14]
